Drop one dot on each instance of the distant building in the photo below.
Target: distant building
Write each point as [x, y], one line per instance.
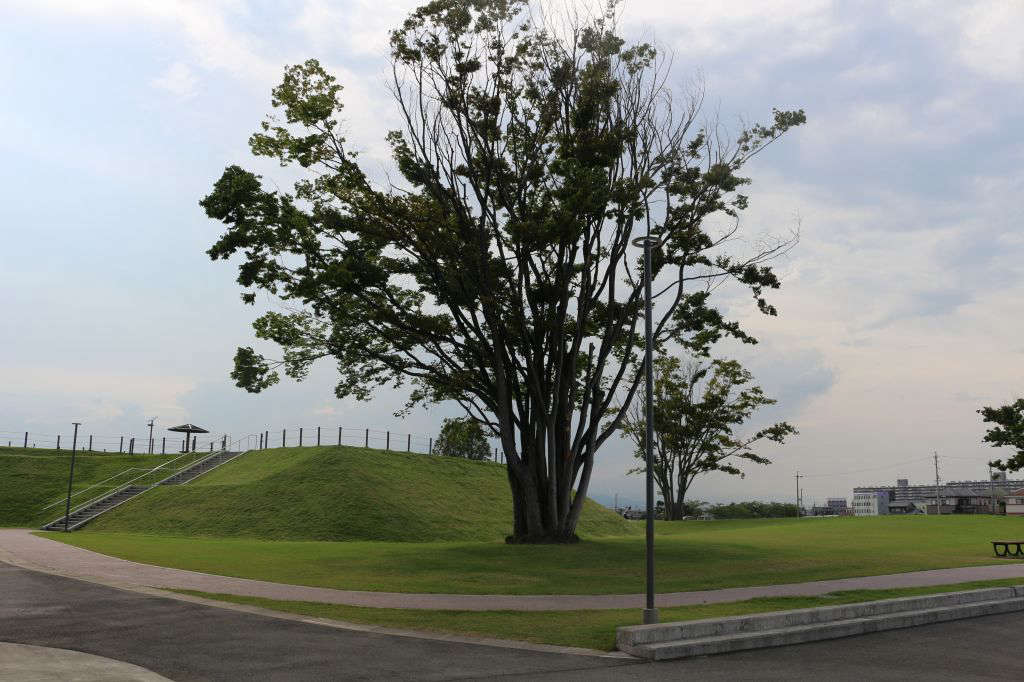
[1015, 503]
[870, 503]
[955, 497]
[837, 505]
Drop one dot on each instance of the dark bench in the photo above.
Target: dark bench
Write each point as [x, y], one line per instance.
[1008, 547]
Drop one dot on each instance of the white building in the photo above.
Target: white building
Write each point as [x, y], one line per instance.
[1015, 503]
[874, 503]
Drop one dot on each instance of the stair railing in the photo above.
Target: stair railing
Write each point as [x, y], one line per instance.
[63, 498]
[113, 490]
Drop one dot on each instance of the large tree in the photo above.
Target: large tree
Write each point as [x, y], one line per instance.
[1007, 431]
[699, 409]
[497, 271]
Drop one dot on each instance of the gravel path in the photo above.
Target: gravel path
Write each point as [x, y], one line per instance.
[21, 548]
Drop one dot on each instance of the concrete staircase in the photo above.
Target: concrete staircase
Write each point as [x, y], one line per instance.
[199, 468]
[89, 511]
[723, 635]
[84, 515]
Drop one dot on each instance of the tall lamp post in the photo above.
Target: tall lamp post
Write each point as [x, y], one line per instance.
[650, 614]
[71, 475]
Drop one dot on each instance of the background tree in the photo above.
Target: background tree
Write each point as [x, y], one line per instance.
[1007, 432]
[497, 269]
[462, 437]
[697, 411]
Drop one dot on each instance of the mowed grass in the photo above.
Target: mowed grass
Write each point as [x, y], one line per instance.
[690, 555]
[339, 493]
[32, 478]
[589, 629]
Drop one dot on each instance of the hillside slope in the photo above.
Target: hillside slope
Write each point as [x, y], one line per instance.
[339, 493]
[31, 478]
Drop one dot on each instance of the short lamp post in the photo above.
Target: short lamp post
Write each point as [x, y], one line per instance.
[71, 475]
[650, 613]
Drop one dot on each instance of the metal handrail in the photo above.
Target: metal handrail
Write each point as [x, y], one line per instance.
[115, 490]
[64, 498]
[119, 488]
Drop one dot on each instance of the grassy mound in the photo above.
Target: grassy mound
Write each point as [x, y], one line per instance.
[32, 478]
[339, 493]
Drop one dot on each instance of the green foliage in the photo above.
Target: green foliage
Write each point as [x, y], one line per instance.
[698, 410]
[496, 269]
[337, 493]
[1007, 432]
[752, 510]
[462, 438]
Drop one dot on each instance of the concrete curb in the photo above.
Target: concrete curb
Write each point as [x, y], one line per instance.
[722, 635]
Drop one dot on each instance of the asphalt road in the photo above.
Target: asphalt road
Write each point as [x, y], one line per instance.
[186, 641]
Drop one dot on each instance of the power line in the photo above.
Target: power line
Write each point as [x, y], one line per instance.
[857, 471]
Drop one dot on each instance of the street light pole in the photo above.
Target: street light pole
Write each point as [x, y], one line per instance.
[71, 475]
[650, 613]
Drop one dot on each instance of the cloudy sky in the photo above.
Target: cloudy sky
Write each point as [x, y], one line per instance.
[902, 309]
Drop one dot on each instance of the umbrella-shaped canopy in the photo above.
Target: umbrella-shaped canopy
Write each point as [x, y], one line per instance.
[188, 430]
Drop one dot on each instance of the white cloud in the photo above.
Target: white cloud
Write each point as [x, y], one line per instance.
[178, 80]
[986, 36]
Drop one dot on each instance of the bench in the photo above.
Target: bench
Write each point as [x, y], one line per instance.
[1006, 546]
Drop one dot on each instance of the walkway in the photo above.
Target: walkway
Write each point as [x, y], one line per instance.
[21, 548]
[184, 641]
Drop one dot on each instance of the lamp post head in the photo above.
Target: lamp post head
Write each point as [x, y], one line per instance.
[655, 242]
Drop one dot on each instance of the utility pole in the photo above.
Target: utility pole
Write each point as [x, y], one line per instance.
[798, 477]
[938, 503]
[992, 488]
[71, 474]
[151, 435]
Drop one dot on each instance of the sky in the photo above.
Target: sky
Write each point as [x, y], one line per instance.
[901, 311]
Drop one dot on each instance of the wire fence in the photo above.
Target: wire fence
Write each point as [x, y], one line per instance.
[130, 444]
[269, 438]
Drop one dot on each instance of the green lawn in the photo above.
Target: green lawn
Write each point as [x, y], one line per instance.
[31, 478]
[339, 493]
[691, 555]
[590, 629]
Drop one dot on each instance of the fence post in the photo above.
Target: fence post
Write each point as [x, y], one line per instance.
[430, 447]
[339, 435]
[266, 441]
[26, 440]
[120, 448]
[387, 443]
[58, 441]
[163, 445]
[90, 443]
[211, 446]
[223, 442]
[194, 439]
[408, 442]
[318, 436]
[495, 454]
[367, 438]
[131, 446]
[300, 436]
[283, 434]
[261, 441]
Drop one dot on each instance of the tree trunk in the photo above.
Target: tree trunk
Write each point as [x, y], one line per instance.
[532, 522]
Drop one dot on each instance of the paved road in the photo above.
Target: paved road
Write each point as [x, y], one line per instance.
[20, 547]
[186, 641]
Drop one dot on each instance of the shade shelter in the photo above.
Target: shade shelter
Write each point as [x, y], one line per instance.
[188, 430]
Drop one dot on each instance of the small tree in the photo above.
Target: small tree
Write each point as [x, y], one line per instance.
[697, 409]
[462, 438]
[1007, 432]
